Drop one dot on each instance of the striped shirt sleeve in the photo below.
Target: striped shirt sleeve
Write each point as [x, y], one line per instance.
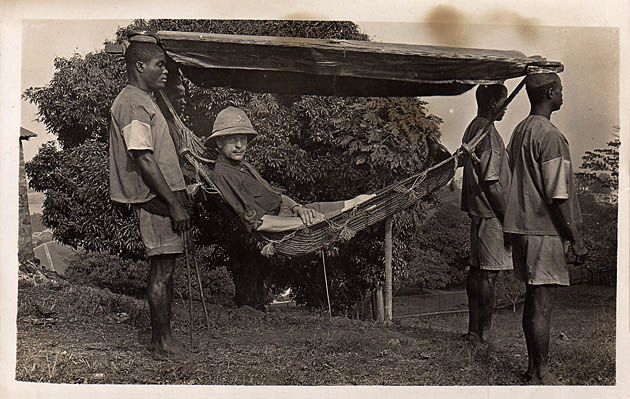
[135, 119]
[491, 156]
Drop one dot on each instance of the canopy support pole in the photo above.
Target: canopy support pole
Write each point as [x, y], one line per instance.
[388, 268]
[326, 283]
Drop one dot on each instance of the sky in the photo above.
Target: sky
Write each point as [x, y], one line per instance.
[590, 80]
[76, 36]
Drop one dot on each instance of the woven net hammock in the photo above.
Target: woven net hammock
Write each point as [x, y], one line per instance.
[342, 227]
[387, 202]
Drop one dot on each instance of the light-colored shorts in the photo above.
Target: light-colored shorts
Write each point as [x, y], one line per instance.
[328, 209]
[487, 247]
[157, 234]
[540, 259]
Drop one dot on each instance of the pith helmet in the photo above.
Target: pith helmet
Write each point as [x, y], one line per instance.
[232, 121]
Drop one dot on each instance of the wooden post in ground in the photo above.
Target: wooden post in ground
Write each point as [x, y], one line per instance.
[378, 299]
[388, 268]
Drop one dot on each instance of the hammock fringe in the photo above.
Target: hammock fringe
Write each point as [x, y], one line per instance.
[346, 234]
[268, 250]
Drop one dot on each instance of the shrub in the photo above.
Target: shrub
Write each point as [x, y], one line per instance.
[216, 279]
[125, 276]
[599, 230]
[104, 270]
[440, 249]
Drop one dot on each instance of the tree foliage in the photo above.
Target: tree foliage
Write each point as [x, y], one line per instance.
[318, 148]
[74, 106]
[128, 277]
[603, 160]
[285, 28]
[599, 230]
[77, 205]
[440, 247]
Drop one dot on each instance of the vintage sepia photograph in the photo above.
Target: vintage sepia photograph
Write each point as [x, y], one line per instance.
[318, 202]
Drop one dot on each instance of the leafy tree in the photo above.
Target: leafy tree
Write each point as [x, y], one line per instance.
[285, 28]
[440, 247]
[600, 233]
[77, 205]
[603, 160]
[312, 146]
[600, 218]
[74, 106]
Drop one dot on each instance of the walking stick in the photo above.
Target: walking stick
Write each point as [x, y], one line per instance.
[190, 310]
[203, 299]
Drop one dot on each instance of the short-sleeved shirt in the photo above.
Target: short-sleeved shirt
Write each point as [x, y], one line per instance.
[492, 166]
[138, 124]
[540, 161]
[242, 187]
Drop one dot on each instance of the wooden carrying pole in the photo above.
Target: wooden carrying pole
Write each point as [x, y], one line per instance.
[388, 268]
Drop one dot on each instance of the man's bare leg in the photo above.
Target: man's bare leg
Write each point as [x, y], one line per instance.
[527, 310]
[472, 291]
[160, 295]
[536, 325]
[154, 320]
[485, 300]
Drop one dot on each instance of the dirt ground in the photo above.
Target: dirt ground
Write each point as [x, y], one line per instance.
[76, 334]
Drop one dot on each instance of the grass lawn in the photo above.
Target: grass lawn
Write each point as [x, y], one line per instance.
[76, 334]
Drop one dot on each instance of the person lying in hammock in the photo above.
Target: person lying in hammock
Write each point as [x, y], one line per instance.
[260, 206]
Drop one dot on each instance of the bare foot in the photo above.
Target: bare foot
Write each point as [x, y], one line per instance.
[171, 351]
[471, 338]
[528, 375]
[542, 378]
[146, 339]
[530, 370]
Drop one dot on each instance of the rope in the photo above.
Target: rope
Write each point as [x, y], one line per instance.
[345, 232]
[326, 283]
[412, 189]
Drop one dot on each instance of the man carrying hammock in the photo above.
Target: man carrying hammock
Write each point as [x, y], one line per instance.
[260, 206]
[542, 214]
[484, 192]
[145, 172]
